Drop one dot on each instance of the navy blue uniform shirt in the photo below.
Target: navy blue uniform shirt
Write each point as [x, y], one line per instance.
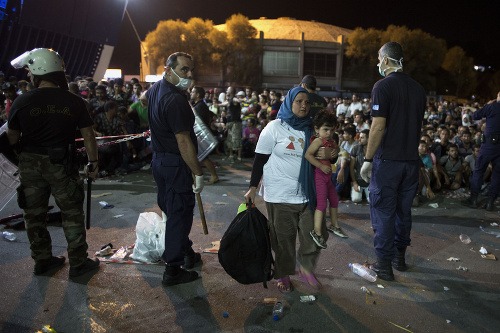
[402, 101]
[492, 114]
[169, 113]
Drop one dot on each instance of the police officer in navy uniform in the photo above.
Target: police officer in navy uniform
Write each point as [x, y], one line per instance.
[317, 102]
[174, 161]
[489, 153]
[392, 158]
[42, 126]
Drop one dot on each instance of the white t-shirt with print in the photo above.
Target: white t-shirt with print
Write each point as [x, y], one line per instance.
[281, 172]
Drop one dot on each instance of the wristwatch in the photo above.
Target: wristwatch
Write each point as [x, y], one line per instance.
[368, 160]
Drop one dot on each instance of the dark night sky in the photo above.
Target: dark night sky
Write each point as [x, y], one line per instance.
[472, 25]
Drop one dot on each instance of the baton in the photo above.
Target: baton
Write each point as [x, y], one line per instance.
[202, 212]
[89, 190]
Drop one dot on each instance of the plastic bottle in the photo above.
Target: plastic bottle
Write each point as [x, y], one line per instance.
[278, 311]
[363, 271]
[8, 236]
[465, 239]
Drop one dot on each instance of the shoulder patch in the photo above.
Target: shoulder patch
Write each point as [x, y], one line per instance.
[375, 107]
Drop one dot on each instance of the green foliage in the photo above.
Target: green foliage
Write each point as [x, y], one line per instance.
[235, 50]
[242, 52]
[424, 56]
[461, 70]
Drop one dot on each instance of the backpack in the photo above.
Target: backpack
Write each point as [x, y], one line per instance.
[245, 249]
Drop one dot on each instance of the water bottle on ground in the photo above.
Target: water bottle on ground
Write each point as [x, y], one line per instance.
[363, 271]
[278, 311]
[8, 236]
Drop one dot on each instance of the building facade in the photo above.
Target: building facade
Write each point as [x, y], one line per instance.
[290, 49]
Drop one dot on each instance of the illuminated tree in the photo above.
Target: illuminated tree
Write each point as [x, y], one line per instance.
[423, 53]
[461, 70]
[243, 52]
[235, 51]
[171, 36]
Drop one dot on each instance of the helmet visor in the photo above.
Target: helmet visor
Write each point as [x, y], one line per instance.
[21, 61]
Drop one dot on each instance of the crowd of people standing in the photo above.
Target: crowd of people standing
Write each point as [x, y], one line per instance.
[378, 147]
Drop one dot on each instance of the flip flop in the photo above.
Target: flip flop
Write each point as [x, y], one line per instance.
[310, 279]
[285, 285]
[211, 182]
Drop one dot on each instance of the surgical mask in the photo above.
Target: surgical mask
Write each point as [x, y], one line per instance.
[382, 71]
[183, 83]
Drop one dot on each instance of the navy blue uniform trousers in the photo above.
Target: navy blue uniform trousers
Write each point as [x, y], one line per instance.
[176, 199]
[489, 153]
[392, 188]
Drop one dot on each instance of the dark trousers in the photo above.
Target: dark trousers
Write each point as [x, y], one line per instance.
[176, 199]
[488, 153]
[392, 188]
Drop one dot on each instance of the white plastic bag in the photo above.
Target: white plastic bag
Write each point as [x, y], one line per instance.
[150, 241]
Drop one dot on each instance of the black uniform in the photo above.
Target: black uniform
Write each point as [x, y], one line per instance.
[490, 150]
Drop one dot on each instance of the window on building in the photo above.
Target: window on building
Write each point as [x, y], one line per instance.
[280, 63]
[320, 64]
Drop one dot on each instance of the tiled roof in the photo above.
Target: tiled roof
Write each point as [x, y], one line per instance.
[291, 29]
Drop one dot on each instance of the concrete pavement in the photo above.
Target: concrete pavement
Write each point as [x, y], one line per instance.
[433, 296]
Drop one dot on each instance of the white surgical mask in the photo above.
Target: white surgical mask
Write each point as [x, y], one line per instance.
[183, 83]
[382, 71]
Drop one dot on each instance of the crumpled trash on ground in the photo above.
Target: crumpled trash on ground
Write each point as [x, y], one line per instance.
[464, 238]
[462, 268]
[434, 205]
[366, 290]
[105, 205]
[214, 248]
[453, 259]
[486, 255]
[495, 233]
[307, 298]
[270, 300]
[121, 254]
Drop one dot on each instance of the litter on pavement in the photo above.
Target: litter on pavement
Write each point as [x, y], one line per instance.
[495, 233]
[214, 248]
[307, 298]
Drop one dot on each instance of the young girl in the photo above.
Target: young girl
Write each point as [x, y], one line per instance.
[324, 124]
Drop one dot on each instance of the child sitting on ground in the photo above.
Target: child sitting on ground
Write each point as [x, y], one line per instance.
[324, 124]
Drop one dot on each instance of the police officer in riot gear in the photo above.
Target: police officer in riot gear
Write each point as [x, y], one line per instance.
[41, 126]
[489, 153]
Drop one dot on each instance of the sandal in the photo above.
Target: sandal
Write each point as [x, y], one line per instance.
[284, 284]
[310, 279]
[213, 181]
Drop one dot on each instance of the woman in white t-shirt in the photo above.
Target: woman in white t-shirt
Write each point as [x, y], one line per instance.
[288, 189]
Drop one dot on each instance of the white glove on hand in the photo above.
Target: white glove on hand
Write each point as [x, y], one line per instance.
[366, 171]
[198, 184]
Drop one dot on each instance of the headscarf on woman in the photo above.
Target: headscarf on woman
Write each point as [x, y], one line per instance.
[285, 114]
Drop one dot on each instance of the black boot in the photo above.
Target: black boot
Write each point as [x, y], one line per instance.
[176, 275]
[191, 259]
[490, 205]
[383, 269]
[399, 260]
[471, 201]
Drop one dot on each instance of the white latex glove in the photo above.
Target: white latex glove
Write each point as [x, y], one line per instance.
[198, 184]
[366, 171]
